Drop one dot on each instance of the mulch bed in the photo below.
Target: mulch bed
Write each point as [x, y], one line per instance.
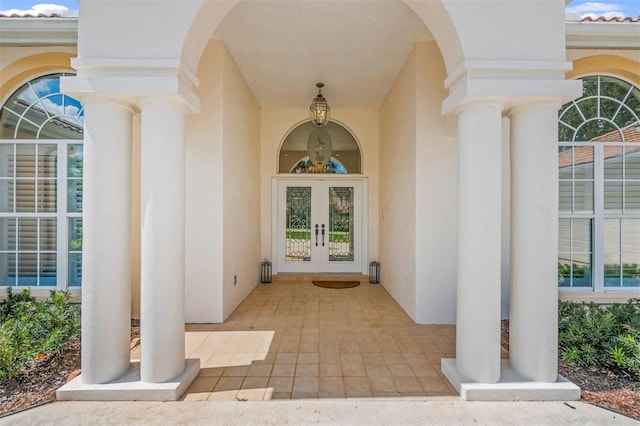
[610, 389]
[37, 384]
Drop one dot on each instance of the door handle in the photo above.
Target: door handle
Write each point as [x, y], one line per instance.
[322, 235]
[317, 234]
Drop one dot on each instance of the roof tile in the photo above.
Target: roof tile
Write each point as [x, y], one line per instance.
[612, 19]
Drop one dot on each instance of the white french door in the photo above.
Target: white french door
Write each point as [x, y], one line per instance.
[319, 225]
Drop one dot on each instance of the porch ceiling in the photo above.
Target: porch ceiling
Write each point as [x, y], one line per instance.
[355, 47]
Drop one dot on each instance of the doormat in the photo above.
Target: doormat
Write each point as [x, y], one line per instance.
[336, 284]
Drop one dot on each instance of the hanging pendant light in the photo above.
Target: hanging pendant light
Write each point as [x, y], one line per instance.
[319, 109]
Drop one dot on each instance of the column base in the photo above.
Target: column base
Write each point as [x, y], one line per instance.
[511, 387]
[130, 388]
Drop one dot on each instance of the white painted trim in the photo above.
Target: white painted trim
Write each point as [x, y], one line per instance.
[361, 210]
[131, 387]
[500, 68]
[61, 214]
[63, 221]
[64, 31]
[602, 35]
[38, 31]
[606, 298]
[597, 255]
[274, 225]
[510, 387]
[597, 249]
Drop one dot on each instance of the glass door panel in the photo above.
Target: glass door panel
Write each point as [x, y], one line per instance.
[298, 224]
[319, 225]
[341, 200]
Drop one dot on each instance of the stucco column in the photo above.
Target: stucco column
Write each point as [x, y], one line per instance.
[162, 246]
[533, 340]
[479, 241]
[106, 258]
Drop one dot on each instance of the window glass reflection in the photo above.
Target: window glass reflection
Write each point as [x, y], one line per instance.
[39, 111]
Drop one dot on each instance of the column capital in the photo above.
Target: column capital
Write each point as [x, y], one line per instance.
[513, 82]
[133, 80]
[174, 101]
[553, 103]
[104, 99]
[480, 103]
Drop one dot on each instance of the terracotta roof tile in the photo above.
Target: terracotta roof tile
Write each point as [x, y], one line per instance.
[39, 15]
[585, 19]
[630, 133]
[612, 19]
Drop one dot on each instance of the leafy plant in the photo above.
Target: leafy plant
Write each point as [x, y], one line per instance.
[571, 356]
[10, 305]
[30, 328]
[589, 355]
[598, 335]
[617, 355]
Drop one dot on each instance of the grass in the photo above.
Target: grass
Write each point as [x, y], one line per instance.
[30, 328]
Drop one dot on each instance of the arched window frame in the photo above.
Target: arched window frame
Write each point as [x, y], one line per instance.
[41, 186]
[592, 229]
[296, 160]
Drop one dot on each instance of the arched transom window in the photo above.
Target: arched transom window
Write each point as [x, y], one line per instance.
[41, 171]
[337, 147]
[599, 172]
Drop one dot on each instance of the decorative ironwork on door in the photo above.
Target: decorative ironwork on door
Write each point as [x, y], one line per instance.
[319, 226]
[298, 224]
[341, 224]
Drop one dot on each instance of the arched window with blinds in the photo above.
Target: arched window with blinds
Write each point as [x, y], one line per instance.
[41, 131]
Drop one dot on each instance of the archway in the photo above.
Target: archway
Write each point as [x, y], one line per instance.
[280, 32]
[156, 68]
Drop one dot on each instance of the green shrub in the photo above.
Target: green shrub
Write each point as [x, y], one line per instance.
[604, 336]
[10, 305]
[30, 327]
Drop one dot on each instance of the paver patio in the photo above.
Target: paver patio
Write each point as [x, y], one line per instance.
[293, 340]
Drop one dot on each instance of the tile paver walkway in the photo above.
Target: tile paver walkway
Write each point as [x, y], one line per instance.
[293, 340]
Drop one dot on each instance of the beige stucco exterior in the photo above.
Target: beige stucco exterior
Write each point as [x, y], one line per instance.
[474, 88]
[420, 72]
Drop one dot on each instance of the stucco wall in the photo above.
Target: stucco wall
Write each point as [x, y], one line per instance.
[222, 190]
[398, 188]
[241, 182]
[623, 64]
[436, 193]
[575, 54]
[204, 194]
[508, 32]
[21, 64]
[277, 123]
[9, 54]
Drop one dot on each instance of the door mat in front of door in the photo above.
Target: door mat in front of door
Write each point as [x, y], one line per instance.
[336, 284]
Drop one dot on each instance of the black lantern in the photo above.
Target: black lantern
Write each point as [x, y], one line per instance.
[265, 272]
[374, 272]
[319, 109]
